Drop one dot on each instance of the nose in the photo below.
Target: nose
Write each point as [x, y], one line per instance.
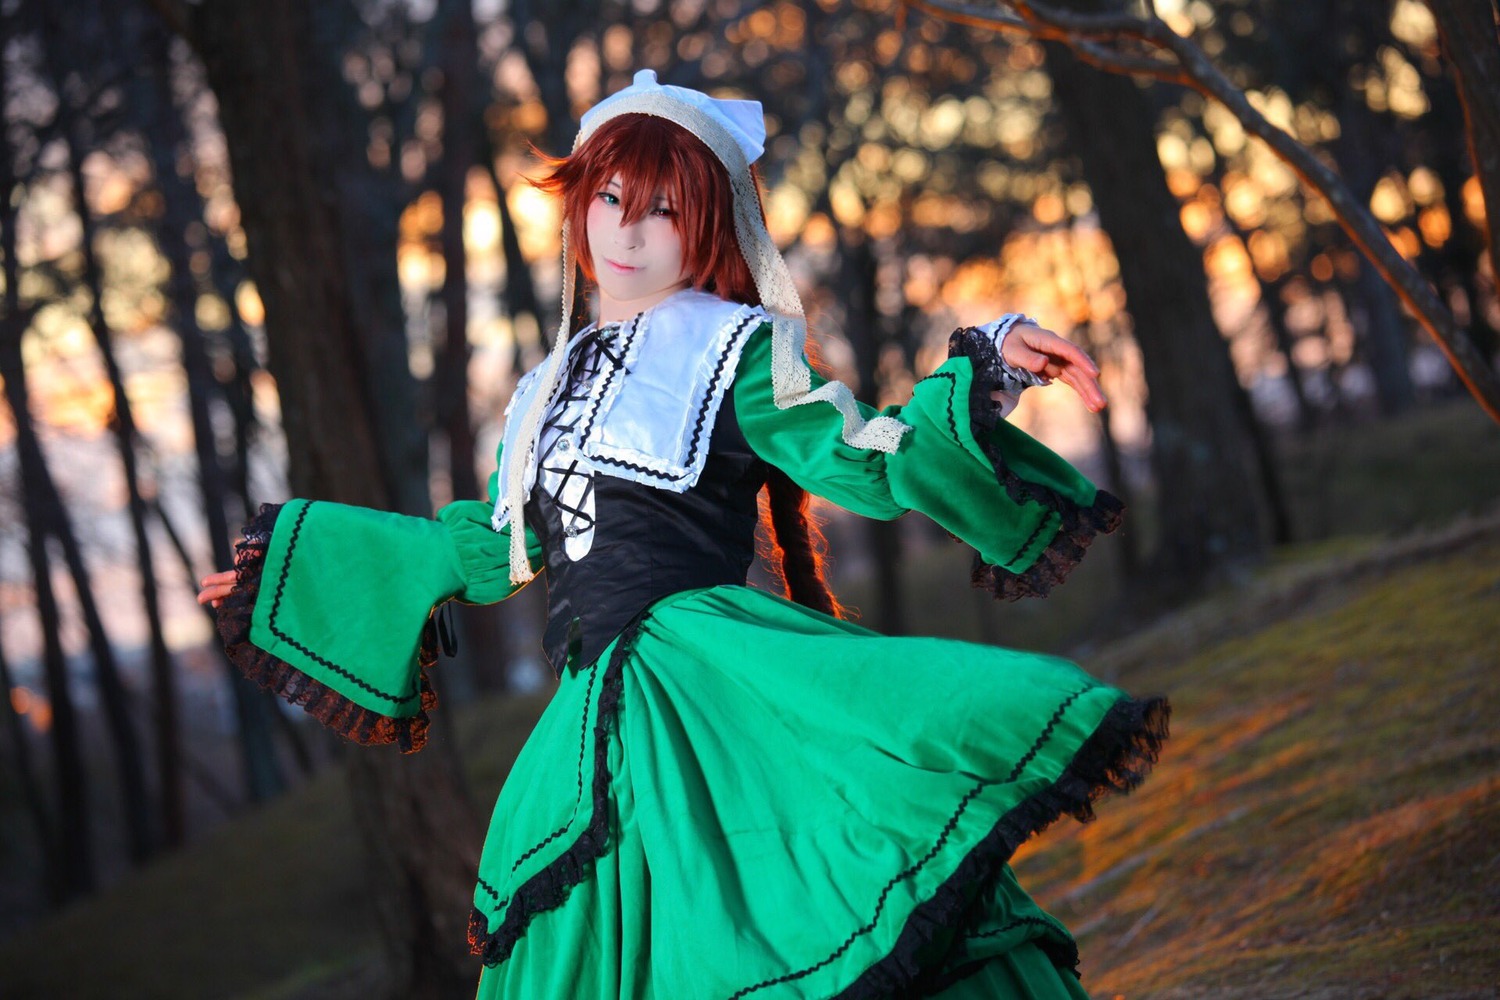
[628, 235]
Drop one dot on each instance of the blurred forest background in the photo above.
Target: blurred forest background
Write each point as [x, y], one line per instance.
[261, 248]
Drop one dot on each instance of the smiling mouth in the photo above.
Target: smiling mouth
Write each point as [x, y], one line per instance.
[619, 268]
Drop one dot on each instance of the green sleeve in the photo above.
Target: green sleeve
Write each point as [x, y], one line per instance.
[1026, 511]
[335, 600]
[483, 552]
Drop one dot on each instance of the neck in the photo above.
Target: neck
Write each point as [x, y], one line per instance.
[612, 310]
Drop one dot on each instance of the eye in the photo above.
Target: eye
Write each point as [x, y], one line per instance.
[663, 212]
[608, 198]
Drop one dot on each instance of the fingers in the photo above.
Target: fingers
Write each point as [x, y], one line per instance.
[216, 587]
[1076, 356]
[214, 595]
[1054, 358]
[1050, 346]
[1019, 349]
[1018, 354]
[1088, 389]
[1085, 382]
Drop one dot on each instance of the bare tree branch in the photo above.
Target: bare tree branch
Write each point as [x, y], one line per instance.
[1190, 66]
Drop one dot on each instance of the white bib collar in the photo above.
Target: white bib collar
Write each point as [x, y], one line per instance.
[653, 403]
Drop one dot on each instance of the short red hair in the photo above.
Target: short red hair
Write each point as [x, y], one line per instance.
[653, 155]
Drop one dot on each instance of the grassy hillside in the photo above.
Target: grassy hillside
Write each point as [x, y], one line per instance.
[1327, 820]
[267, 908]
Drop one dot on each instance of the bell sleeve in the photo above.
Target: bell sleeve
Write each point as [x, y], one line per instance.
[332, 607]
[1028, 514]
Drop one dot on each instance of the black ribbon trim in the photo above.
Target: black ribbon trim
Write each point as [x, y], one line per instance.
[351, 721]
[1115, 758]
[1079, 525]
[549, 888]
[350, 676]
[749, 323]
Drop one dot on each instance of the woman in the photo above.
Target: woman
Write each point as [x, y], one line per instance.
[730, 795]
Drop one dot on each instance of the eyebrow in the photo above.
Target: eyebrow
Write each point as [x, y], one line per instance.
[660, 199]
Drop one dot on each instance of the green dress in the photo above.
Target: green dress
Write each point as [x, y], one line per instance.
[741, 797]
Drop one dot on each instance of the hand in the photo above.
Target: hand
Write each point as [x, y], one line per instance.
[216, 587]
[1041, 351]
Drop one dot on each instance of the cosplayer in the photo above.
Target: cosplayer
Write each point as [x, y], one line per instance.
[731, 794]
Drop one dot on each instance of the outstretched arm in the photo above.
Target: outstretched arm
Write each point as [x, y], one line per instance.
[1027, 512]
[330, 606]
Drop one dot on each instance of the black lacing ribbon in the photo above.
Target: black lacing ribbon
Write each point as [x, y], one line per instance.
[442, 618]
[602, 338]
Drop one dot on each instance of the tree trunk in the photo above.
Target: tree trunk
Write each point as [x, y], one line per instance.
[1275, 304]
[343, 386]
[459, 60]
[546, 34]
[258, 62]
[861, 326]
[519, 296]
[130, 759]
[1209, 504]
[1376, 311]
[482, 645]
[114, 697]
[31, 788]
[421, 840]
[254, 712]
[163, 670]
[78, 138]
[73, 872]
[238, 393]
[72, 869]
[1114, 466]
[1471, 42]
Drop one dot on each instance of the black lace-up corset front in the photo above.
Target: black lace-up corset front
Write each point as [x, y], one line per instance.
[613, 546]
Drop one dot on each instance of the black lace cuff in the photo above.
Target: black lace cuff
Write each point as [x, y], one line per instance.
[352, 722]
[982, 346]
[1080, 524]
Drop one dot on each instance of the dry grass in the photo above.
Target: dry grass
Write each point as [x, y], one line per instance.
[1327, 819]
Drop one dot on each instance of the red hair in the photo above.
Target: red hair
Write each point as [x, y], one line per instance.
[652, 155]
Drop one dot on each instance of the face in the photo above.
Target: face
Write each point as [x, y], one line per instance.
[637, 264]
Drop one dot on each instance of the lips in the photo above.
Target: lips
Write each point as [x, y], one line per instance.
[619, 268]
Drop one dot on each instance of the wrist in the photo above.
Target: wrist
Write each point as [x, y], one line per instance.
[1013, 378]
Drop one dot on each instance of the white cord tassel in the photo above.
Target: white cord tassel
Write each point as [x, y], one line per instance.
[541, 401]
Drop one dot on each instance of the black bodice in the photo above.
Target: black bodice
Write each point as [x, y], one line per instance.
[648, 543]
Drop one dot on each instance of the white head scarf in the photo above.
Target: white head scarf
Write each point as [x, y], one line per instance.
[735, 132]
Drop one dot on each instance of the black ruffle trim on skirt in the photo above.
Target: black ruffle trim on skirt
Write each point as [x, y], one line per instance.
[1080, 525]
[548, 888]
[349, 720]
[1115, 758]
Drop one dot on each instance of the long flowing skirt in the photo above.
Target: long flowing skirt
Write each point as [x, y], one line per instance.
[744, 798]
